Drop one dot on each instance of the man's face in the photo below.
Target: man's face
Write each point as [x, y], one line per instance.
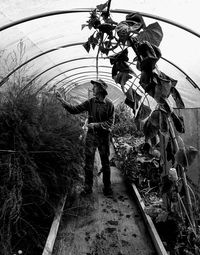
[95, 89]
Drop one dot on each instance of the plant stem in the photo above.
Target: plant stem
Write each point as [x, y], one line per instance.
[188, 198]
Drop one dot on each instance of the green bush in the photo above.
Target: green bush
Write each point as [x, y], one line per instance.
[125, 122]
[41, 159]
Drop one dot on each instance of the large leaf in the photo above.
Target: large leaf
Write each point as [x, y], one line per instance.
[178, 122]
[122, 78]
[119, 57]
[152, 33]
[132, 99]
[154, 118]
[123, 31]
[162, 87]
[177, 98]
[145, 78]
[135, 18]
[143, 112]
[149, 130]
[165, 105]
[124, 67]
[133, 95]
[149, 55]
[158, 120]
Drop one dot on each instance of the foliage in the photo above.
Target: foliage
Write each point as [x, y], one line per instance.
[124, 121]
[39, 163]
[117, 41]
[142, 165]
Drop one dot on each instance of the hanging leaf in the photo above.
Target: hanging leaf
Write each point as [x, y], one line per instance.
[135, 18]
[152, 33]
[178, 122]
[165, 106]
[150, 89]
[177, 98]
[132, 99]
[163, 86]
[121, 67]
[171, 150]
[93, 41]
[133, 95]
[114, 70]
[143, 112]
[123, 31]
[149, 55]
[145, 78]
[149, 130]
[101, 7]
[163, 123]
[93, 21]
[86, 45]
[119, 57]
[186, 156]
[122, 78]
[154, 118]
[83, 26]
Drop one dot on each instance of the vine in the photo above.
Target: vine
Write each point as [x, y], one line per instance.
[132, 43]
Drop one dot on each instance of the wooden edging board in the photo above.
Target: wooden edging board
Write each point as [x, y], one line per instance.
[149, 223]
[48, 249]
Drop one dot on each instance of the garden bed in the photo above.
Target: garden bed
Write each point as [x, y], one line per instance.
[145, 172]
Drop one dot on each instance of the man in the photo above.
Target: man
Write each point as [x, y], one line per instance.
[100, 121]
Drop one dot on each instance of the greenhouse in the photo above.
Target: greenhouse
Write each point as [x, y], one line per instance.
[100, 111]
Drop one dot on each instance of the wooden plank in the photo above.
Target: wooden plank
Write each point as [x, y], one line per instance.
[152, 230]
[48, 249]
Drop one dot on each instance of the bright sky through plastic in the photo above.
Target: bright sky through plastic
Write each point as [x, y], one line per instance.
[177, 45]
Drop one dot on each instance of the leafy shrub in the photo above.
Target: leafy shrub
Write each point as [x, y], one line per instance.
[41, 159]
[124, 122]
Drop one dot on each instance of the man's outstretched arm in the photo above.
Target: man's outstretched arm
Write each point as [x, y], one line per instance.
[71, 108]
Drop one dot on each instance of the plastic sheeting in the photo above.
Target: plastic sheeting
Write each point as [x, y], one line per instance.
[191, 137]
[59, 59]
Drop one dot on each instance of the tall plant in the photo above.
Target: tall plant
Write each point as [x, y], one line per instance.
[132, 37]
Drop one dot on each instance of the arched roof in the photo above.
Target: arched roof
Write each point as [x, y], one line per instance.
[52, 38]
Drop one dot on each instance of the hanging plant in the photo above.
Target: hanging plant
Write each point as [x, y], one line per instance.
[133, 35]
[132, 99]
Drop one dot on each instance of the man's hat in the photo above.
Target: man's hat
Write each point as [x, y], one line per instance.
[101, 83]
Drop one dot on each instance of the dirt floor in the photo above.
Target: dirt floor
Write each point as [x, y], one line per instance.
[97, 225]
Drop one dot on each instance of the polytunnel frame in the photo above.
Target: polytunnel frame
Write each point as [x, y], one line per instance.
[46, 14]
[42, 87]
[66, 71]
[78, 44]
[71, 86]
